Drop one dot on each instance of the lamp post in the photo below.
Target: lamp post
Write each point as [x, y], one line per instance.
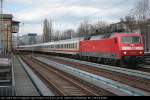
[148, 35]
[18, 35]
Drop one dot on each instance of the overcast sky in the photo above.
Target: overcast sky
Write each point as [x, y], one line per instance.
[65, 13]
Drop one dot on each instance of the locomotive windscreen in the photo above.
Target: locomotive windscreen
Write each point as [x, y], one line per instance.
[131, 39]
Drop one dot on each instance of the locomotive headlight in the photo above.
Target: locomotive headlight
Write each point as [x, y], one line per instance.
[141, 52]
[125, 53]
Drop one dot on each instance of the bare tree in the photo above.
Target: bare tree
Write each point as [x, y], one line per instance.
[142, 12]
[68, 34]
[142, 9]
[130, 23]
[101, 27]
[84, 29]
[47, 31]
[56, 35]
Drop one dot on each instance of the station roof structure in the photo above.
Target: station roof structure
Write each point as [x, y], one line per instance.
[6, 16]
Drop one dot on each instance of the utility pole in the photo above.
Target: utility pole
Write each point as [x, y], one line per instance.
[1, 25]
[1, 11]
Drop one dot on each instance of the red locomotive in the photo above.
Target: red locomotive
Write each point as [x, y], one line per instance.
[118, 48]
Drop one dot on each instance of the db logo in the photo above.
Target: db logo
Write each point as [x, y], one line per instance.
[132, 45]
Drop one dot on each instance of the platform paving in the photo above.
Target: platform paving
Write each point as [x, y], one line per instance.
[24, 86]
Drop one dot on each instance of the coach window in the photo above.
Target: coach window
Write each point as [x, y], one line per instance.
[67, 46]
[73, 46]
[70, 46]
[76, 45]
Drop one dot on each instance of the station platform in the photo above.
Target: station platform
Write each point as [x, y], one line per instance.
[23, 84]
[147, 53]
[6, 86]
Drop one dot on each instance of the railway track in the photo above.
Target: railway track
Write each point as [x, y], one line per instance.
[132, 78]
[144, 68]
[147, 58]
[63, 84]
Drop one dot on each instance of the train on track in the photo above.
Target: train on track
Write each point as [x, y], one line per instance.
[124, 49]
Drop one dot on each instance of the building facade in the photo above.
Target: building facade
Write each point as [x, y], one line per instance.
[28, 39]
[7, 27]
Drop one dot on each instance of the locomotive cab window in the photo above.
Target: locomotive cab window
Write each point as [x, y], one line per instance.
[115, 40]
[131, 39]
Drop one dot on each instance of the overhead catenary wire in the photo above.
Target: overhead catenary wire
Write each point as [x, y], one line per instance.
[106, 9]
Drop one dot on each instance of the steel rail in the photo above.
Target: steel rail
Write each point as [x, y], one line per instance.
[76, 84]
[66, 78]
[102, 82]
[130, 72]
[54, 86]
[145, 67]
[41, 87]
